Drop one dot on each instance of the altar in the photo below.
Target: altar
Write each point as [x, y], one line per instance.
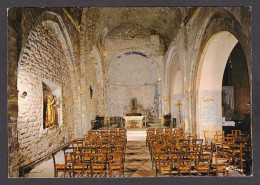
[133, 121]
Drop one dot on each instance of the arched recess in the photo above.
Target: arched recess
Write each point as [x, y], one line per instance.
[209, 81]
[172, 57]
[64, 38]
[92, 82]
[131, 73]
[46, 58]
[176, 96]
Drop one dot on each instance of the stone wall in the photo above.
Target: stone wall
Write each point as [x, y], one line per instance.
[42, 60]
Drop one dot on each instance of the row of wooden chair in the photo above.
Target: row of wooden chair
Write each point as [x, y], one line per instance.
[91, 165]
[191, 164]
[99, 153]
[236, 143]
[178, 143]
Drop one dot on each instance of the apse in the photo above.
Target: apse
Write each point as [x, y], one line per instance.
[132, 76]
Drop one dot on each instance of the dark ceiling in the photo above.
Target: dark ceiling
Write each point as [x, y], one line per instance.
[136, 22]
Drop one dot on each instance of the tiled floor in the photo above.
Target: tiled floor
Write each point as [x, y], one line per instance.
[137, 160]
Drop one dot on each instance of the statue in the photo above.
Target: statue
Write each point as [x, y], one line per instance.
[134, 107]
[50, 113]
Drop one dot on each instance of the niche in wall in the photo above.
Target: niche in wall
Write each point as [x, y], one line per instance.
[52, 104]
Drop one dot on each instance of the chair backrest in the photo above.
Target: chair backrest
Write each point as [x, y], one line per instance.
[86, 150]
[159, 130]
[218, 138]
[229, 141]
[197, 141]
[220, 133]
[236, 133]
[186, 135]
[197, 145]
[204, 158]
[222, 158]
[98, 158]
[122, 129]
[185, 141]
[191, 137]
[115, 157]
[184, 148]
[168, 130]
[185, 158]
[208, 136]
[86, 158]
[76, 160]
[68, 157]
[158, 149]
[104, 133]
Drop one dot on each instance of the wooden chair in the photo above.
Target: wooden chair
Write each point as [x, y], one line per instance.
[77, 166]
[227, 144]
[155, 162]
[186, 135]
[185, 141]
[196, 145]
[208, 147]
[159, 131]
[168, 130]
[104, 133]
[86, 161]
[184, 164]
[218, 141]
[238, 156]
[208, 137]
[165, 164]
[203, 163]
[64, 168]
[222, 162]
[220, 133]
[115, 164]
[156, 153]
[97, 164]
[184, 148]
[236, 133]
[80, 141]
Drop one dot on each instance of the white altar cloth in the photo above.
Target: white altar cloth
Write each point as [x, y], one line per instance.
[137, 119]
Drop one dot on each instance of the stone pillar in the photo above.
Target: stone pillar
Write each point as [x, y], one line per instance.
[13, 52]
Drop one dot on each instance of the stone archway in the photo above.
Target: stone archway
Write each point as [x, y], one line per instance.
[176, 96]
[168, 77]
[209, 81]
[45, 59]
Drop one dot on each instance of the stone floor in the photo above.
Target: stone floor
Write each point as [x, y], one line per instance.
[137, 163]
[138, 160]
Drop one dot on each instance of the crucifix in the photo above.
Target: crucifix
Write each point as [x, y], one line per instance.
[179, 107]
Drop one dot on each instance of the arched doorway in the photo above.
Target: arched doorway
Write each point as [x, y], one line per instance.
[236, 93]
[209, 81]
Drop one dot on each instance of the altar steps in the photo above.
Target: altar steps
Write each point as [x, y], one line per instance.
[136, 135]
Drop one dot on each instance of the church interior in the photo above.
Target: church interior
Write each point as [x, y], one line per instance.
[129, 92]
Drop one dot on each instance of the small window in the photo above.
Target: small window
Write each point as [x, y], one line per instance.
[91, 92]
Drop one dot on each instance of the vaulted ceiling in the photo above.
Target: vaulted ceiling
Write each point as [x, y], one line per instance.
[131, 22]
